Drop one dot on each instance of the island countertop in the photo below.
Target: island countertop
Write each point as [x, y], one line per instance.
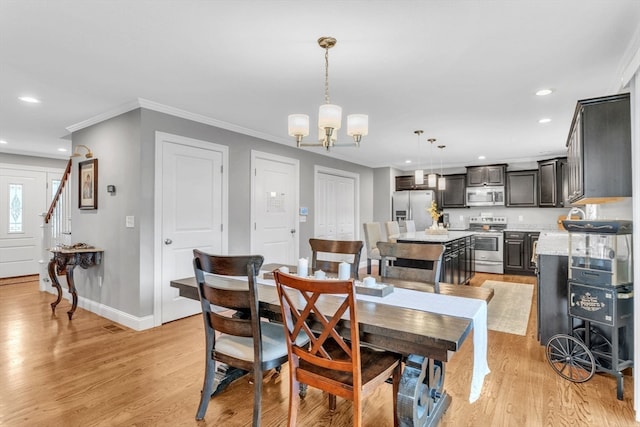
[424, 237]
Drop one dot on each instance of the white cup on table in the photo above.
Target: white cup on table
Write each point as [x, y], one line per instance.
[319, 274]
[344, 271]
[369, 281]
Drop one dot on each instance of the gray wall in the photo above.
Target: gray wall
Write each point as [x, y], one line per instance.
[43, 162]
[125, 147]
[116, 145]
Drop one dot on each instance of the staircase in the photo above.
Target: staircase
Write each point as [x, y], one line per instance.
[57, 220]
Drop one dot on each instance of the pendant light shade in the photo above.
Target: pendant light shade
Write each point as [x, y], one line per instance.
[432, 180]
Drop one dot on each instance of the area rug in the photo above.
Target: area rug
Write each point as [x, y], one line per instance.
[508, 310]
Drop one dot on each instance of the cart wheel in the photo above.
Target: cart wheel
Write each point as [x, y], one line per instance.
[570, 358]
[600, 346]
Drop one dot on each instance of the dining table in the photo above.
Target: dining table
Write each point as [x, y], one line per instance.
[425, 327]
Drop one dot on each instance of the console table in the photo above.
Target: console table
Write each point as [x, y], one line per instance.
[64, 261]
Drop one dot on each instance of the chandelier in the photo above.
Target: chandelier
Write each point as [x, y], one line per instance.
[329, 115]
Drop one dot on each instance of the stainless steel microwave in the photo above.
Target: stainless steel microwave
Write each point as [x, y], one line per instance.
[485, 196]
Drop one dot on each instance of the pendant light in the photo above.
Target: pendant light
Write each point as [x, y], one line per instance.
[432, 177]
[419, 173]
[442, 182]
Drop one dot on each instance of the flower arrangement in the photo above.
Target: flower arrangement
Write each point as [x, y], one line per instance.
[433, 211]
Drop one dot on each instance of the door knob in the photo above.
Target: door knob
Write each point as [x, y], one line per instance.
[168, 241]
[293, 231]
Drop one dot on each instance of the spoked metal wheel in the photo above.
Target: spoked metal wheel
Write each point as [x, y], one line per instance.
[599, 346]
[570, 358]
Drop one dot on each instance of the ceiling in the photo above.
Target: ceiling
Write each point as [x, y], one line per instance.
[465, 72]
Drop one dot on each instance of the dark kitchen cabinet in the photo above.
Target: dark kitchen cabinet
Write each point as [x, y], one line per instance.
[407, 182]
[518, 251]
[453, 196]
[480, 176]
[552, 187]
[599, 150]
[457, 265]
[522, 188]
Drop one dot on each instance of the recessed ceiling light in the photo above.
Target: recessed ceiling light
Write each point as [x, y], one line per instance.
[62, 149]
[2, 141]
[29, 99]
[544, 92]
[544, 120]
[481, 157]
[407, 161]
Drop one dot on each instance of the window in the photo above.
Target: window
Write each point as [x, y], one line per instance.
[15, 208]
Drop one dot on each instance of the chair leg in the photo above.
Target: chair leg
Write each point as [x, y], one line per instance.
[257, 394]
[397, 374]
[332, 402]
[368, 265]
[294, 394]
[207, 387]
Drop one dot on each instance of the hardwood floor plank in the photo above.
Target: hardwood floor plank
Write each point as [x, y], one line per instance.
[86, 372]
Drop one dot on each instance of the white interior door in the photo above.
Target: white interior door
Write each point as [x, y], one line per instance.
[22, 202]
[336, 204]
[274, 207]
[192, 212]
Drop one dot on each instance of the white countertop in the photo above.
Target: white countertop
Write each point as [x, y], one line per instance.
[553, 243]
[423, 236]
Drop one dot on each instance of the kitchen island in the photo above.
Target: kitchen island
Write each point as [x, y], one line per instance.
[551, 257]
[458, 260]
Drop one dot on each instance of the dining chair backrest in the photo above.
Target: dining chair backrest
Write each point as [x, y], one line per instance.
[425, 257]
[410, 226]
[328, 254]
[235, 340]
[372, 235]
[392, 228]
[333, 360]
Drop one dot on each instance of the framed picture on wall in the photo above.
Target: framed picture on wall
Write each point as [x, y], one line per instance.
[88, 184]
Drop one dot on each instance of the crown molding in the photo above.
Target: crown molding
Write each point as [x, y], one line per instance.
[176, 112]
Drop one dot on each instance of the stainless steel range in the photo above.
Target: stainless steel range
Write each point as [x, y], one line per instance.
[489, 242]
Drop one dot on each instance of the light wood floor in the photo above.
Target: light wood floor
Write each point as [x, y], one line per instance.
[91, 372]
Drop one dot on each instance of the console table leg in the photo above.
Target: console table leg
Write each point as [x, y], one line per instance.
[72, 289]
[56, 284]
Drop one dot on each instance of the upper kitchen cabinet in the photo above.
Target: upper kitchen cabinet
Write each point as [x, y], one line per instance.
[599, 151]
[552, 187]
[479, 176]
[522, 188]
[454, 194]
[407, 182]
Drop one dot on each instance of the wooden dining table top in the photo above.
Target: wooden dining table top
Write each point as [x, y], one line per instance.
[393, 328]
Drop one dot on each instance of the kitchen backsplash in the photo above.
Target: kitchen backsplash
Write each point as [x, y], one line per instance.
[535, 218]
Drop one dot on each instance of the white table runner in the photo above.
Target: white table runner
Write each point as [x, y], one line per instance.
[467, 308]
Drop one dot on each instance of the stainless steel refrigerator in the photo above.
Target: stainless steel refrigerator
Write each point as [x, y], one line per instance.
[413, 205]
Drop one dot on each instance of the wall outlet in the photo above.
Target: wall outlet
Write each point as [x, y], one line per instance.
[461, 218]
[130, 221]
[520, 218]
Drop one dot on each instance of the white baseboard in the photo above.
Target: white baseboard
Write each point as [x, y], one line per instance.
[118, 316]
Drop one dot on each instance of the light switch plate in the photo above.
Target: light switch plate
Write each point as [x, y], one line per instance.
[130, 221]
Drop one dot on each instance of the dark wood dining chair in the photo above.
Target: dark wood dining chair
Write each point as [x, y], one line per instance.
[240, 340]
[331, 362]
[351, 250]
[417, 262]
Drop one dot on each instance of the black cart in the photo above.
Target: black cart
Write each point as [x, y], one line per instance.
[600, 303]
